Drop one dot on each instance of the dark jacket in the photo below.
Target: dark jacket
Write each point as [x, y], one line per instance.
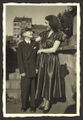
[27, 56]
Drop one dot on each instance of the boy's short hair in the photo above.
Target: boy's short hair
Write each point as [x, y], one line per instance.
[25, 30]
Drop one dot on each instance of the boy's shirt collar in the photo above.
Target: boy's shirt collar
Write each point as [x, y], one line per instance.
[28, 41]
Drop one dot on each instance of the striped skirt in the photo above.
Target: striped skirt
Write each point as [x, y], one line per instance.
[49, 84]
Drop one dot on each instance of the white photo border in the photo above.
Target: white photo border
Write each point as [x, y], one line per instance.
[78, 61]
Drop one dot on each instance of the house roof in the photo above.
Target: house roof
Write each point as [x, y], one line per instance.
[20, 19]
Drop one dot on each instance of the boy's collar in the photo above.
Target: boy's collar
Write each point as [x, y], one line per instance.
[27, 41]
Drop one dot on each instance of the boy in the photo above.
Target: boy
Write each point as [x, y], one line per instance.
[27, 55]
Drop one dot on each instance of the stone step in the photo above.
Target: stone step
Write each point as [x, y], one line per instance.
[14, 93]
[13, 84]
[15, 75]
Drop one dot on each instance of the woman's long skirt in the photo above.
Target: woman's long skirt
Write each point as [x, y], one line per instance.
[49, 83]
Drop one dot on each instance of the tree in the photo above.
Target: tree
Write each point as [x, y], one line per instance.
[67, 20]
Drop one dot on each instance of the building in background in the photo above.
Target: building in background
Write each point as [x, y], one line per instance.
[20, 23]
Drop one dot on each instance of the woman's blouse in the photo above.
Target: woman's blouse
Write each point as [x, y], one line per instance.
[48, 42]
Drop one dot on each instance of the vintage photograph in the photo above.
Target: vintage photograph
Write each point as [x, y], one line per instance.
[41, 44]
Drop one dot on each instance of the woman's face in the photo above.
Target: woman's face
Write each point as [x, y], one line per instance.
[47, 24]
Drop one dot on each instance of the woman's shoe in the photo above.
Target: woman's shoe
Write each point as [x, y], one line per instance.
[42, 104]
[47, 108]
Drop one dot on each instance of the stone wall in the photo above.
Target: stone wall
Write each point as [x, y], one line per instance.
[13, 85]
[70, 79]
[69, 59]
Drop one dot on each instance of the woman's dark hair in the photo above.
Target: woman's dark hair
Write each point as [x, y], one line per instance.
[54, 22]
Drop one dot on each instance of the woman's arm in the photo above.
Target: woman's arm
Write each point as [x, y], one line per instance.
[52, 49]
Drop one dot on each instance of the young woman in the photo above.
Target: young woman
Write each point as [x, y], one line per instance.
[49, 82]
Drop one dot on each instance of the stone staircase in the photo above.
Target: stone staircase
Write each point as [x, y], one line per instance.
[13, 85]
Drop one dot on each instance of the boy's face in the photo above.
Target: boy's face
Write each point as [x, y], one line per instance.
[28, 34]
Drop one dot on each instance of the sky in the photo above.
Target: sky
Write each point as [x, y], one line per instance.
[37, 13]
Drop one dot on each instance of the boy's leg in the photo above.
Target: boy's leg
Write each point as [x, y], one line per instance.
[25, 85]
[32, 90]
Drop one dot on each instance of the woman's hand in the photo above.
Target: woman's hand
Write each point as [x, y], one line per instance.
[36, 71]
[40, 51]
[23, 74]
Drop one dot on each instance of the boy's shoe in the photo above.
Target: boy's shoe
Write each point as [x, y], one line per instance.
[23, 109]
[33, 109]
[41, 107]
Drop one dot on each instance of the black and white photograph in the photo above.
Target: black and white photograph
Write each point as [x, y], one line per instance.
[41, 64]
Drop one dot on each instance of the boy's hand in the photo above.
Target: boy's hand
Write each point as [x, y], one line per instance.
[38, 39]
[23, 74]
[36, 71]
